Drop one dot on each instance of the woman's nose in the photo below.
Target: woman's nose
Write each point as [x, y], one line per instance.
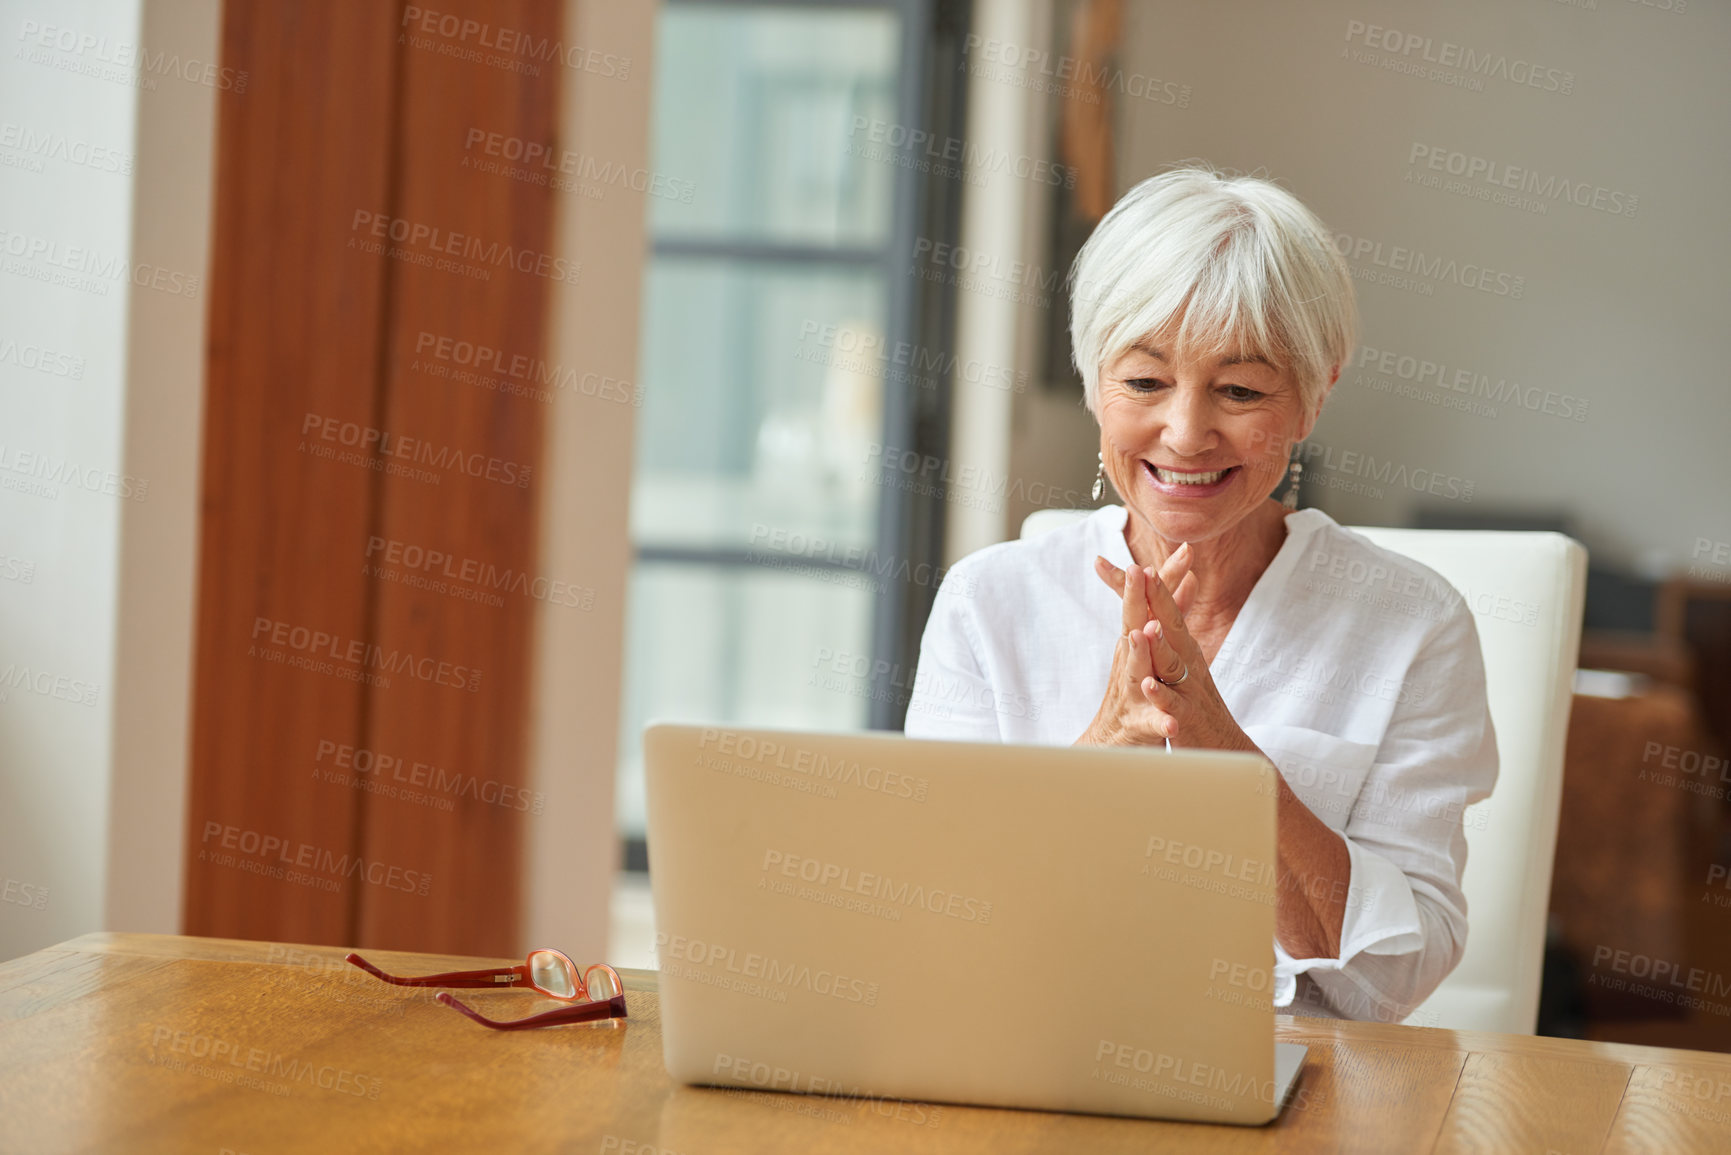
[1189, 427]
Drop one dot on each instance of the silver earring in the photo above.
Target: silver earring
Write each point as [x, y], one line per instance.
[1294, 472]
[1100, 476]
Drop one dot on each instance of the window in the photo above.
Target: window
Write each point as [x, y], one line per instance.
[778, 275]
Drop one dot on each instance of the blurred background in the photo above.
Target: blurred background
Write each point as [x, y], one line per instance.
[400, 405]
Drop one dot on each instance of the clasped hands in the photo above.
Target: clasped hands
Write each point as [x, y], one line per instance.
[1140, 709]
[1159, 688]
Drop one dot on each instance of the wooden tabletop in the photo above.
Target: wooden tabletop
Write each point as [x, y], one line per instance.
[148, 1043]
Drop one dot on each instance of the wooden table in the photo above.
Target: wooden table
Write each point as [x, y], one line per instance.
[146, 1043]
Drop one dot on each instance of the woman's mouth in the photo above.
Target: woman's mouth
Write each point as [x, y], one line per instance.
[1189, 482]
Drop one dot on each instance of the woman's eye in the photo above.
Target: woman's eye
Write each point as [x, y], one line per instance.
[1142, 384]
[1242, 393]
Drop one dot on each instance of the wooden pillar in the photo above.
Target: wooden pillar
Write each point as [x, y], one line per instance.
[382, 256]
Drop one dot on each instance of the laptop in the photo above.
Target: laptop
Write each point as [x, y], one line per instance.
[866, 915]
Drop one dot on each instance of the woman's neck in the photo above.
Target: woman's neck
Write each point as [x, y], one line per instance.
[1225, 566]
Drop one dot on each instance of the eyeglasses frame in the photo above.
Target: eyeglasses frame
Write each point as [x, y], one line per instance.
[582, 1008]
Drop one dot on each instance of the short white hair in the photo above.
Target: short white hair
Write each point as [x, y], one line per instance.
[1215, 264]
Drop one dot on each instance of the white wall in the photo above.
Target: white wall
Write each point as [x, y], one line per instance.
[572, 849]
[104, 191]
[174, 186]
[1619, 311]
[1000, 215]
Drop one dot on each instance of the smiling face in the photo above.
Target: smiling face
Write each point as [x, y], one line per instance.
[1194, 445]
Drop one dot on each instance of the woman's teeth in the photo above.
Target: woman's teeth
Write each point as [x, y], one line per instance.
[1172, 478]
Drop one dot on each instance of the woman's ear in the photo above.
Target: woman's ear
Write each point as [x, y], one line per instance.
[1333, 376]
[1315, 411]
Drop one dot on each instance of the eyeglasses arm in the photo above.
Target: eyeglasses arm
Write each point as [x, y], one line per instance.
[589, 1012]
[517, 976]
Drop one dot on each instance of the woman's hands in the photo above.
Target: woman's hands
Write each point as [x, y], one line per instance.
[1159, 687]
[1139, 710]
[1315, 867]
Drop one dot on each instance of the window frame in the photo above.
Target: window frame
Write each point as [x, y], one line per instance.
[919, 312]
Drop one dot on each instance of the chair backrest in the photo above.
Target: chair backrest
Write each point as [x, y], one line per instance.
[1044, 521]
[1526, 592]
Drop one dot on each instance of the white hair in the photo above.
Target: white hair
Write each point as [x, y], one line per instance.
[1216, 265]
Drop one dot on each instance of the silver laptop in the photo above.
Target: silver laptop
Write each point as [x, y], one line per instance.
[868, 915]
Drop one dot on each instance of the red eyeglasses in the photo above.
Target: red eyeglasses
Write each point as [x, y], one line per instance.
[597, 993]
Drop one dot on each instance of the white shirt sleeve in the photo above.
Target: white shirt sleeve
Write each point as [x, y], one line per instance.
[1405, 923]
[952, 698]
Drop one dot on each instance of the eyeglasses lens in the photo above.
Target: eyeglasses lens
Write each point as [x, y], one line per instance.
[553, 974]
[603, 984]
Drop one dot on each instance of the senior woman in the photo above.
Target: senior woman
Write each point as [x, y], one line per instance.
[1211, 319]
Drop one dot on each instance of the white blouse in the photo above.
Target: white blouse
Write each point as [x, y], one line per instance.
[1355, 669]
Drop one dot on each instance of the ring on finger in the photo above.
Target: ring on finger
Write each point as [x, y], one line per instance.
[1175, 681]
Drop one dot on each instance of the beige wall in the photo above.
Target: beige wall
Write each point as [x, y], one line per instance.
[1614, 314]
[1000, 216]
[108, 173]
[159, 542]
[572, 849]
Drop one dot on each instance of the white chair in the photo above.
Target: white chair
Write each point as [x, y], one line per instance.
[1526, 592]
